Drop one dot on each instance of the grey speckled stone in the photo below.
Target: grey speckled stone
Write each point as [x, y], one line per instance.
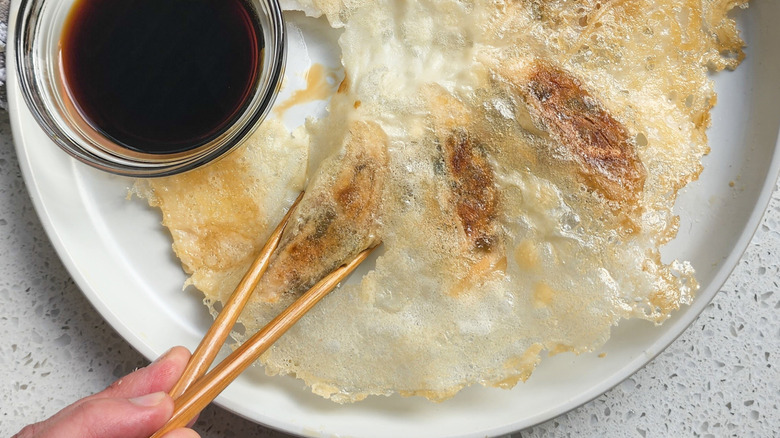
[720, 378]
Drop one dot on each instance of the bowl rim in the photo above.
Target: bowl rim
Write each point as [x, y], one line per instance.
[114, 159]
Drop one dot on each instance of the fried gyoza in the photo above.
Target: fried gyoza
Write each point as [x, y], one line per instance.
[467, 188]
[519, 161]
[603, 152]
[336, 219]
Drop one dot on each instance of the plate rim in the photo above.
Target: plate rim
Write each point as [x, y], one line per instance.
[678, 326]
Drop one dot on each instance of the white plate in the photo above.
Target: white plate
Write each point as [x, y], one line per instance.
[120, 256]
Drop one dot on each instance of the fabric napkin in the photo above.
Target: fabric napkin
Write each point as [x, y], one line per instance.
[3, 38]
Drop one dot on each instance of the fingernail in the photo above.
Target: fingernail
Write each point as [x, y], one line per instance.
[149, 400]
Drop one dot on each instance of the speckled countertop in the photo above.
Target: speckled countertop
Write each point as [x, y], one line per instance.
[720, 378]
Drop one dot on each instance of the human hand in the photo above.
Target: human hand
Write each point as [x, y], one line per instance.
[134, 406]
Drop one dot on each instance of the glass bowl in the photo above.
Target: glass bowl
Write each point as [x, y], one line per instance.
[39, 28]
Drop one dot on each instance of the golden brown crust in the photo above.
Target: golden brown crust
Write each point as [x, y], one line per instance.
[560, 106]
[470, 180]
[445, 306]
[473, 188]
[334, 224]
[470, 193]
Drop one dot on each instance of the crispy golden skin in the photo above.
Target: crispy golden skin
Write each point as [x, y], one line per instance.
[474, 193]
[469, 189]
[334, 222]
[517, 214]
[475, 202]
[578, 122]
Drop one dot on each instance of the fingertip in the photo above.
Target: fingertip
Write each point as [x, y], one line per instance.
[169, 367]
[182, 433]
[176, 359]
[177, 355]
[160, 375]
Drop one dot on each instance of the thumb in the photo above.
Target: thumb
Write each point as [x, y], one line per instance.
[95, 417]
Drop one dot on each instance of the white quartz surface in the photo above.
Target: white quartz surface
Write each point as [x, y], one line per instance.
[720, 378]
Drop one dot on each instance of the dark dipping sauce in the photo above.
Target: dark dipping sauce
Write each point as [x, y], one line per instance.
[161, 76]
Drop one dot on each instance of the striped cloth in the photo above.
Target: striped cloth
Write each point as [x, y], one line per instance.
[3, 36]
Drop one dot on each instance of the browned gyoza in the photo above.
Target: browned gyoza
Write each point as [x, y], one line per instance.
[336, 219]
[584, 131]
[474, 193]
[469, 188]
[474, 199]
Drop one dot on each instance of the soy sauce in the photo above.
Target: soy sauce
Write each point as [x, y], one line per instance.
[161, 76]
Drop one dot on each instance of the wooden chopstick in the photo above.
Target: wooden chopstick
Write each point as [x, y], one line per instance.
[209, 346]
[204, 390]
